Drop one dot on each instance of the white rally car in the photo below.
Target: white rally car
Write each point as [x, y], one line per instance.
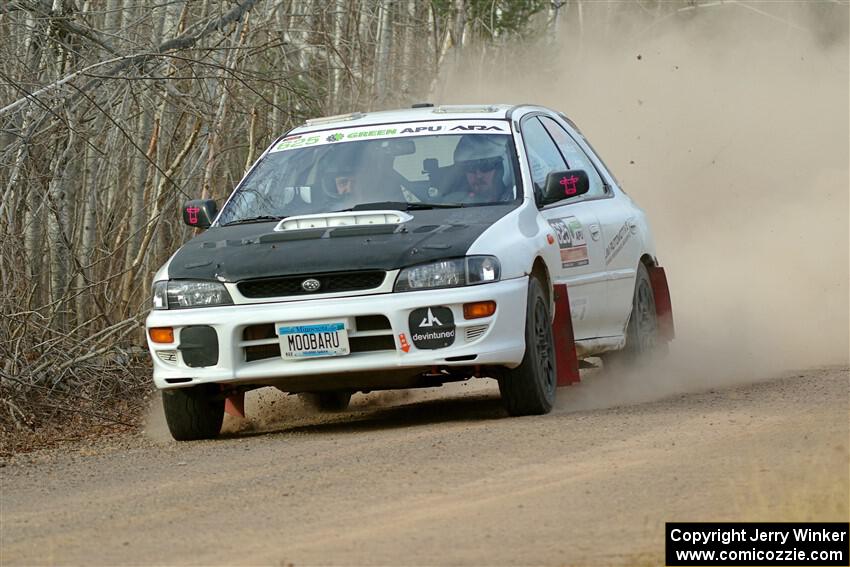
[406, 249]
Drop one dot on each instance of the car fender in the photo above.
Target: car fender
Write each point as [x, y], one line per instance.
[644, 233]
[518, 239]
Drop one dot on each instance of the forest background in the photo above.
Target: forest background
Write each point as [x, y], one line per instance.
[114, 112]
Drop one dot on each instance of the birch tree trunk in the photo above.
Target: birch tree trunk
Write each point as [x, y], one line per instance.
[88, 236]
[382, 51]
[57, 237]
[214, 139]
[409, 48]
[113, 17]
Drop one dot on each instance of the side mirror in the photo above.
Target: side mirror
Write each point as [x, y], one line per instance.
[562, 185]
[199, 213]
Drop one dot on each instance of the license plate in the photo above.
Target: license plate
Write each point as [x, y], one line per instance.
[312, 340]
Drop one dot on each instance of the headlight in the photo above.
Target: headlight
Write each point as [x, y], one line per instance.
[181, 294]
[456, 272]
[160, 295]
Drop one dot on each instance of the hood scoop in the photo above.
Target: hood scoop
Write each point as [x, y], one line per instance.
[305, 234]
[347, 218]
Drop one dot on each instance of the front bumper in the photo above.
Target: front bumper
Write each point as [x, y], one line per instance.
[495, 340]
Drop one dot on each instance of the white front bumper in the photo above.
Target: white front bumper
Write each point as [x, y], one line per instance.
[501, 343]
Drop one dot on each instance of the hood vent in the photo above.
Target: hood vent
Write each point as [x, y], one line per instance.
[348, 218]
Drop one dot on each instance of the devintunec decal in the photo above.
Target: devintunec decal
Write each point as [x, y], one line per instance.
[432, 327]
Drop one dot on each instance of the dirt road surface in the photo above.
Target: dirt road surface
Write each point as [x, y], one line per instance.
[441, 477]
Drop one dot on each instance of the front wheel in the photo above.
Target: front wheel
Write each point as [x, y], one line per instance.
[194, 413]
[529, 389]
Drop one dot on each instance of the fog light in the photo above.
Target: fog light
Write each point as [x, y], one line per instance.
[478, 309]
[161, 334]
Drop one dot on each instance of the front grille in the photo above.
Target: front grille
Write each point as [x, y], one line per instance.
[372, 323]
[371, 344]
[259, 332]
[329, 283]
[260, 352]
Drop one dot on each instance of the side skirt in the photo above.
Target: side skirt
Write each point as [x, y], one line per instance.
[599, 345]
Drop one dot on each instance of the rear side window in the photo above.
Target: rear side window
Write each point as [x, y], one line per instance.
[575, 156]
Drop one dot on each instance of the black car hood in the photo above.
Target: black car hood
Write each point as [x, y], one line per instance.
[250, 251]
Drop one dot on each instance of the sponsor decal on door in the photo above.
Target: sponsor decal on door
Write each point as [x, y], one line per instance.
[617, 243]
[570, 234]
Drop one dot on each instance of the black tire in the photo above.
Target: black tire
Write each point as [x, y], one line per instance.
[194, 413]
[642, 331]
[529, 389]
[327, 401]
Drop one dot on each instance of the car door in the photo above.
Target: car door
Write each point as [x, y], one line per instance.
[619, 219]
[582, 265]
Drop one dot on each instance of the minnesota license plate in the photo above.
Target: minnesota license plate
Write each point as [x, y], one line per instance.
[312, 340]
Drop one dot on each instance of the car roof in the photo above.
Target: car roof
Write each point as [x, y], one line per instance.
[443, 112]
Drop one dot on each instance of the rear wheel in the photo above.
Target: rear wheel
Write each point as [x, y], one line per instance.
[194, 413]
[529, 389]
[327, 401]
[642, 330]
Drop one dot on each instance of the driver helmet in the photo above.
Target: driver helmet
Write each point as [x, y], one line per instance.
[478, 151]
[342, 165]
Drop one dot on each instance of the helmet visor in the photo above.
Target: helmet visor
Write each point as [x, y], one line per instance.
[480, 165]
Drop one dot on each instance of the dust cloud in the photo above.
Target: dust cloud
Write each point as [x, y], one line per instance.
[156, 428]
[729, 126]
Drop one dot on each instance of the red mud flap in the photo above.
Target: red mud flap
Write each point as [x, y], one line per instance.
[663, 307]
[234, 404]
[565, 347]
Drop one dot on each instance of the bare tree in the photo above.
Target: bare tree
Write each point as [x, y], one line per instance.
[113, 112]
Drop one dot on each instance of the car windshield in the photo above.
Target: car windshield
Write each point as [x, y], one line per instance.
[449, 163]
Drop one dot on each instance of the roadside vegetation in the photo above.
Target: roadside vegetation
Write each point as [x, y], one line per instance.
[113, 112]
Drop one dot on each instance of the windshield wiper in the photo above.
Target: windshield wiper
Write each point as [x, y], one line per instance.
[400, 206]
[423, 206]
[260, 218]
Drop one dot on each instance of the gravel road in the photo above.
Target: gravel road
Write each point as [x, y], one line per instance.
[440, 477]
